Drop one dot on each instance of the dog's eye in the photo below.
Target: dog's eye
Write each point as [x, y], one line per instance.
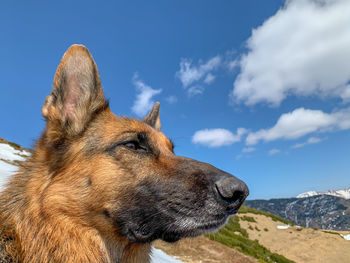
[132, 145]
[135, 146]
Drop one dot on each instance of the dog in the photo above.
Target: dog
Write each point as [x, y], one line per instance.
[101, 188]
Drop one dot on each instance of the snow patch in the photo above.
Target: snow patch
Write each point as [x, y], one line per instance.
[283, 227]
[307, 194]
[346, 237]
[342, 193]
[9, 153]
[158, 256]
[6, 170]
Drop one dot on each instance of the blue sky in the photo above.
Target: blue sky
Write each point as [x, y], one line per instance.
[257, 88]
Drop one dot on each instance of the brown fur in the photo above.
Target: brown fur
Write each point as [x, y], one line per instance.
[74, 199]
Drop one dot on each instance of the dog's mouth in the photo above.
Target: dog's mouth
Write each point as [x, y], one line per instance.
[194, 231]
[172, 232]
[141, 236]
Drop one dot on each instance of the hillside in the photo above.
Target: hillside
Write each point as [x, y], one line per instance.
[262, 237]
[297, 243]
[319, 211]
[203, 250]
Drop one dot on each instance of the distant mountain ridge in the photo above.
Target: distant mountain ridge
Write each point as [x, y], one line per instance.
[342, 193]
[320, 211]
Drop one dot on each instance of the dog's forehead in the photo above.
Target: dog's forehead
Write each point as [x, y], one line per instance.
[116, 127]
[161, 139]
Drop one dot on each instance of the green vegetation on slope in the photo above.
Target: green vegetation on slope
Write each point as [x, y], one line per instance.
[248, 218]
[331, 232]
[232, 235]
[13, 144]
[246, 209]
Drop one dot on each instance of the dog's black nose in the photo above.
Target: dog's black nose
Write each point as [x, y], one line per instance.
[232, 191]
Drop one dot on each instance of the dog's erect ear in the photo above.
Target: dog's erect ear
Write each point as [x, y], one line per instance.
[77, 93]
[152, 118]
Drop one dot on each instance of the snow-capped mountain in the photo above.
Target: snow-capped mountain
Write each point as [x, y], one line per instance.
[342, 193]
[320, 211]
[325, 210]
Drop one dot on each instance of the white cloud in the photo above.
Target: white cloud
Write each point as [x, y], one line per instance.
[304, 49]
[248, 149]
[209, 78]
[143, 102]
[193, 74]
[346, 94]
[274, 151]
[195, 90]
[232, 65]
[311, 140]
[171, 99]
[217, 137]
[301, 122]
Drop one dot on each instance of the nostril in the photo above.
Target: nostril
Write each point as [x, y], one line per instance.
[232, 191]
[230, 199]
[237, 196]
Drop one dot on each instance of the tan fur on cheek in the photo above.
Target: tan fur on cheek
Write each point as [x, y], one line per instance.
[53, 209]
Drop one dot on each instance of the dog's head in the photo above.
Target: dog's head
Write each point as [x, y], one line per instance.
[120, 175]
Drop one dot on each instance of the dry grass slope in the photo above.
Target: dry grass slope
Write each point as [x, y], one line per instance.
[255, 234]
[298, 243]
[234, 236]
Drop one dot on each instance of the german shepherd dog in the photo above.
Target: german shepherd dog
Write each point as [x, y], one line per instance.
[101, 188]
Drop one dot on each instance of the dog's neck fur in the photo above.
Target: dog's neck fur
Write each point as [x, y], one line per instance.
[27, 234]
